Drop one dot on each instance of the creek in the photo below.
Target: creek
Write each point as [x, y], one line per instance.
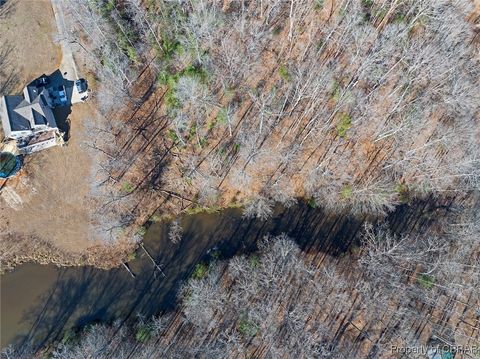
[39, 303]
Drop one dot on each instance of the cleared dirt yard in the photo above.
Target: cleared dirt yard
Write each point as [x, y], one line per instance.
[44, 211]
[53, 195]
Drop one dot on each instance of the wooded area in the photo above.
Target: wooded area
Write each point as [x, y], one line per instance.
[355, 105]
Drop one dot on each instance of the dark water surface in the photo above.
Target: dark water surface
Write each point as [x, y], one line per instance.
[39, 303]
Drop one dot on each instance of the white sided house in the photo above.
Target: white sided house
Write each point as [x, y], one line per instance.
[29, 121]
[28, 118]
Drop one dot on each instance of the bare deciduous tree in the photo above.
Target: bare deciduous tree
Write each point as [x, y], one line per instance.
[175, 232]
[259, 207]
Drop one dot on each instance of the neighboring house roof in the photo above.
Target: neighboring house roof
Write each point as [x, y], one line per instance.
[27, 112]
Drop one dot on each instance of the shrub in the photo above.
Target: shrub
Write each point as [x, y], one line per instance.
[170, 99]
[312, 203]
[247, 327]
[403, 193]
[202, 142]
[320, 43]
[337, 90]
[426, 281]
[127, 187]
[346, 191]
[144, 333]
[193, 131]
[165, 78]
[155, 218]
[367, 3]
[169, 47]
[212, 124]
[222, 116]
[200, 271]
[142, 231]
[283, 72]
[216, 254]
[132, 256]
[171, 134]
[132, 53]
[319, 4]
[70, 337]
[277, 30]
[104, 7]
[254, 260]
[195, 71]
[344, 125]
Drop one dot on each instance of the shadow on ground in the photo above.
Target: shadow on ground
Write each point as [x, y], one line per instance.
[57, 84]
[7, 8]
[9, 74]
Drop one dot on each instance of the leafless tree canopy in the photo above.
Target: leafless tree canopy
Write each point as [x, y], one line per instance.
[175, 232]
[355, 105]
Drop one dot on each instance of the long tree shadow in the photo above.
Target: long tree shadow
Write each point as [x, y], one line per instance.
[9, 74]
[78, 296]
[7, 8]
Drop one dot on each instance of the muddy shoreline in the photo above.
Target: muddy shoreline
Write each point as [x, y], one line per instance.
[36, 251]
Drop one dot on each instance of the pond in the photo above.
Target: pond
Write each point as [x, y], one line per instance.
[39, 303]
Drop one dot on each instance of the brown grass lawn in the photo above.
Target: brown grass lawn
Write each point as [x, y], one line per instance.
[31, 29]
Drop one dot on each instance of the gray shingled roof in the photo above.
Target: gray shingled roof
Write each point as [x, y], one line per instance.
[11, 121]
[20, 113]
